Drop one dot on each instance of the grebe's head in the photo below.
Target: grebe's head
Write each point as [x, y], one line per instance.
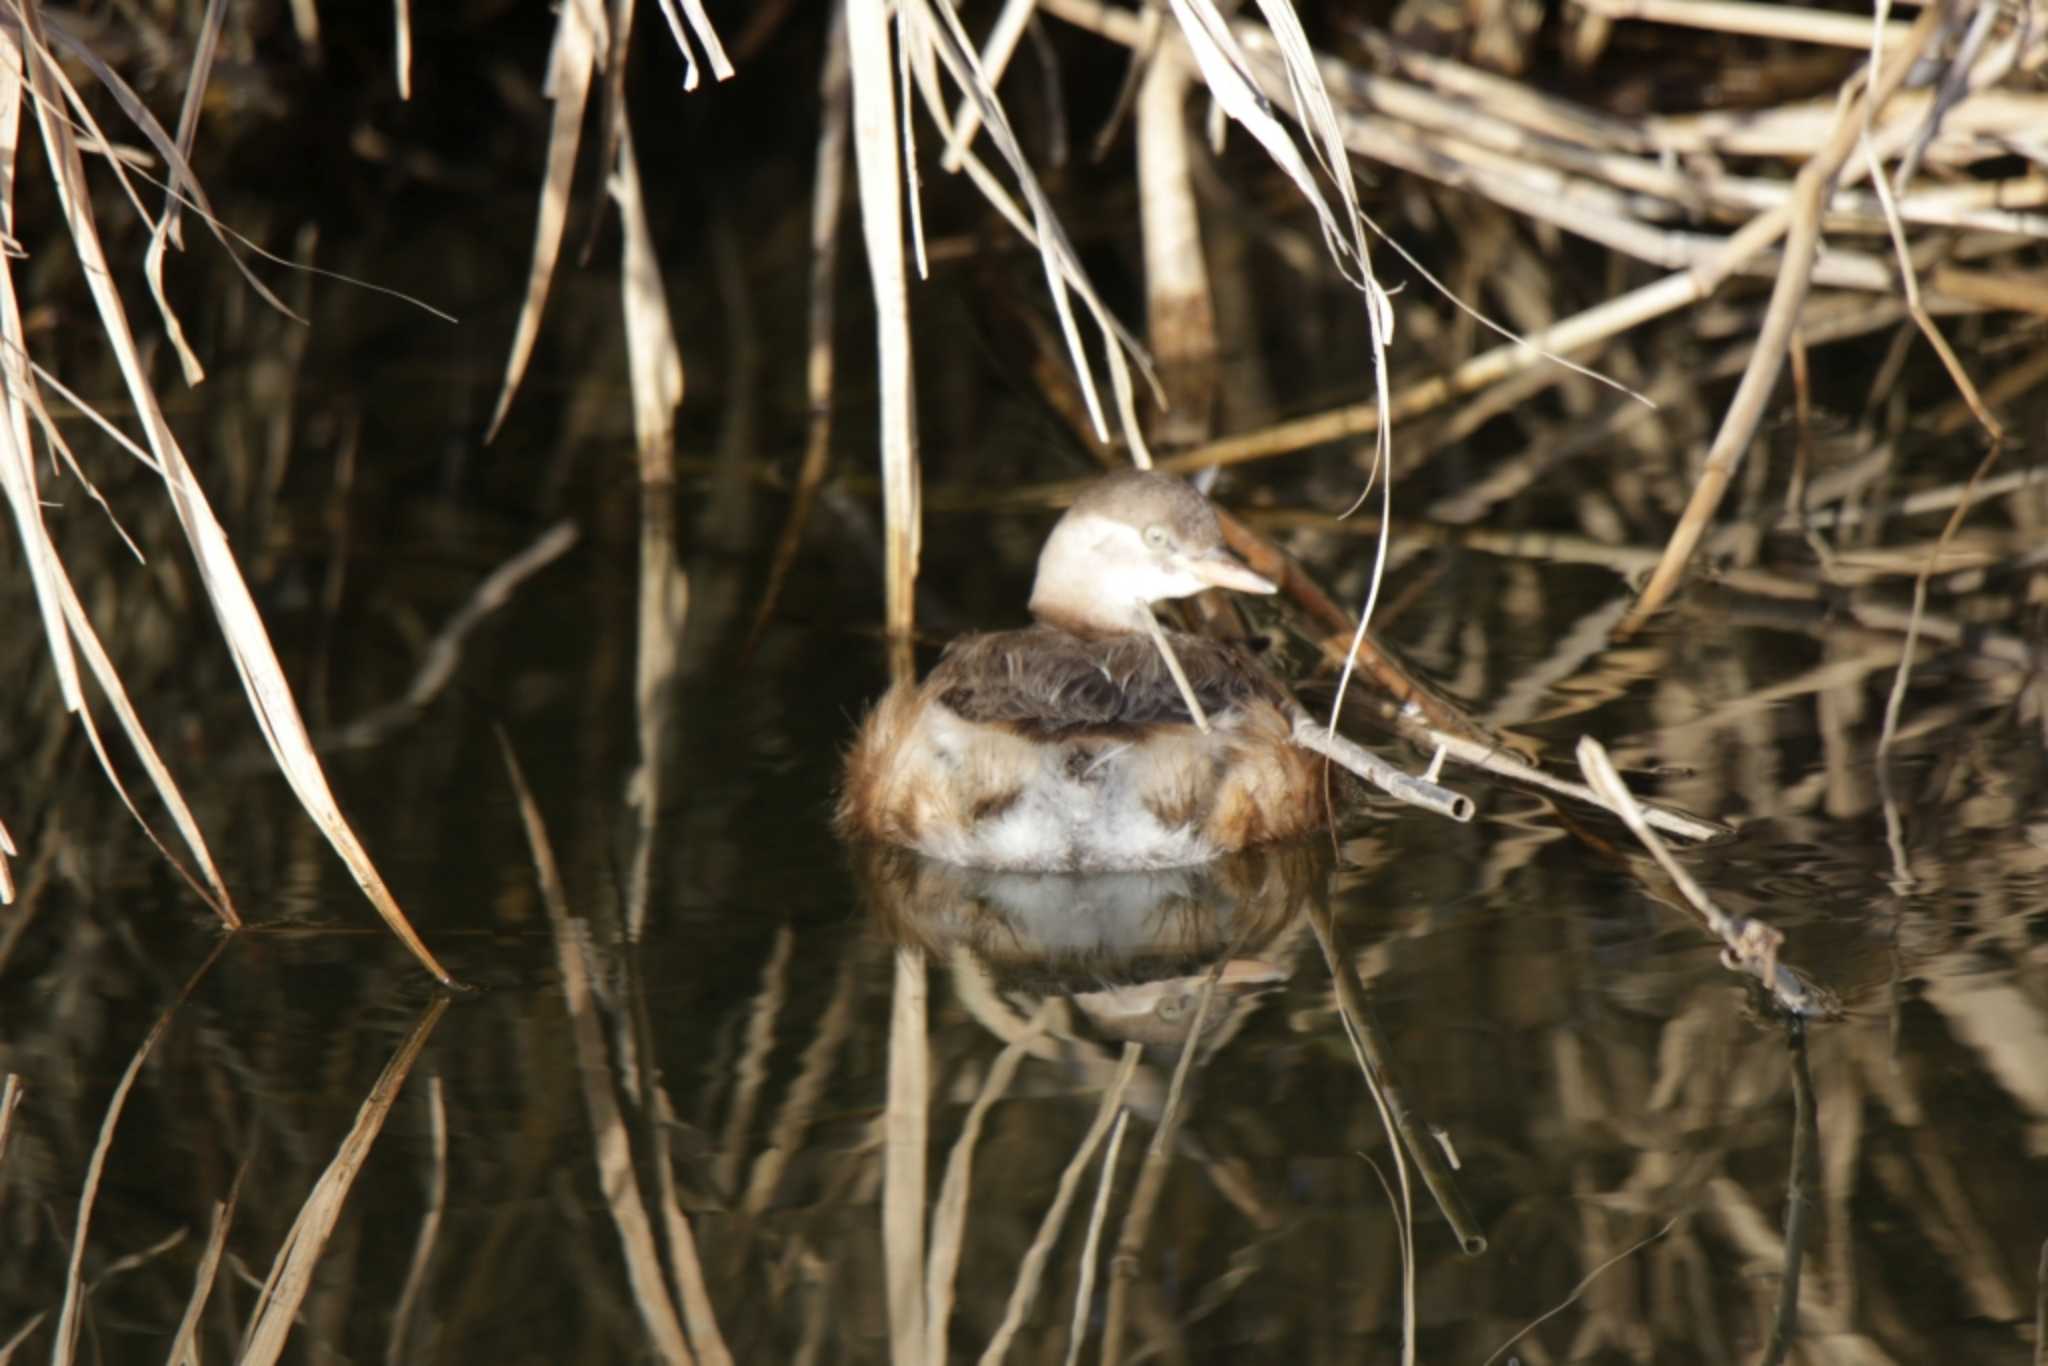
[1130, 540]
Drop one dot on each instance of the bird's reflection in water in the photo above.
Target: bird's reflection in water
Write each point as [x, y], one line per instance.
[1129, 952]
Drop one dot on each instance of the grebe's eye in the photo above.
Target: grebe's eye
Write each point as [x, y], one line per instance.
[1156, 536]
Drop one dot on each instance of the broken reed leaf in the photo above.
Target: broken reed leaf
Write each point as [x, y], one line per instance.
[579, 37]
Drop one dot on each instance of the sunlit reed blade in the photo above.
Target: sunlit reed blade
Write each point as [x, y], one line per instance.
[182, 179]
[677, 12]
[68, 1319]
[401, 46]
[881, 190]
[612, 1151]
[1032, 1270]
[249, 644]
[580, 35]
[64, 621]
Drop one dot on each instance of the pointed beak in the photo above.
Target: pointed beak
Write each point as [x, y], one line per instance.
[1221, 569]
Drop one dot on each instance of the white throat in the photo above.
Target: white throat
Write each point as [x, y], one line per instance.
[1097, 575]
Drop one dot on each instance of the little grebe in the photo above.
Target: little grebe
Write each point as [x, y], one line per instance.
[1068, 746]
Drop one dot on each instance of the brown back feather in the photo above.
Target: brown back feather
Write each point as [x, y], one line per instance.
[1048, 683]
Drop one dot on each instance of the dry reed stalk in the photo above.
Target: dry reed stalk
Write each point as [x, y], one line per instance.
[185, 1341]
[949, 1211]
[66, 1347]
[612, 1145]
[906, 1126]
[1910, 275]
[1180, 316]
[1790, 22]
[881, 188]
[1424, 792]
[291, 1273]
[1802, 234]
[396, 1346]
[586, 43]
[1752, 945]
[1032, 1270]
[1981, 130]
[1576, 333]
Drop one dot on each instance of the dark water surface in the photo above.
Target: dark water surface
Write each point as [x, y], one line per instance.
[1528, 982]
[608, 1128]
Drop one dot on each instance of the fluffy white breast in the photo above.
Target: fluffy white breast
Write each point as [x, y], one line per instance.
[1079, 805]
